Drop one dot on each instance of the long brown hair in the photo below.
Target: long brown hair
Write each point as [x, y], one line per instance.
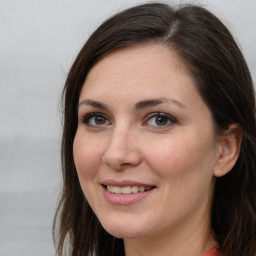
[222, 78]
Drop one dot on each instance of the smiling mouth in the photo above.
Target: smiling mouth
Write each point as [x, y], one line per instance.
[127, 189]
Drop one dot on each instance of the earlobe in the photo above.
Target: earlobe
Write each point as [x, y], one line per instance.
[229, 150]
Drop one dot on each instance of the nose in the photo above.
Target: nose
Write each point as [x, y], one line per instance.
[122, 150]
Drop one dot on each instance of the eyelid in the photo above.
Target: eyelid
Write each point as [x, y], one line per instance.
[161, 114]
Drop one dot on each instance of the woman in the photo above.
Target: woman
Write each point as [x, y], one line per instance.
[158, 147]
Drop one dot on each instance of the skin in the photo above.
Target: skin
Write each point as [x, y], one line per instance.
[179, 155]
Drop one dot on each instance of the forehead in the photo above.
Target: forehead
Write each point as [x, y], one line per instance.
[146, 56]
[152, 65]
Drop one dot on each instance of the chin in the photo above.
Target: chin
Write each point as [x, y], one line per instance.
[123, 230]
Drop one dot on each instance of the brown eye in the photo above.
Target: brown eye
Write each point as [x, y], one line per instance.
[99, 120]
[160, 120]
[95, 120]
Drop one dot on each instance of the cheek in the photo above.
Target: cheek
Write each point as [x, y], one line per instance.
[87, 160]
[86, 154]
[181, 155]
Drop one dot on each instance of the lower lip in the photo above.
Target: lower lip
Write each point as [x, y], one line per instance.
[125, 199]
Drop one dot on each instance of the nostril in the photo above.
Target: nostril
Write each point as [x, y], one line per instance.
[124, 164]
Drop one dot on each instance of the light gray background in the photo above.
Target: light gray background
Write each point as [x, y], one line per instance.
[38, 42]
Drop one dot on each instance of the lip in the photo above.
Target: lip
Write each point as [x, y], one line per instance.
[125, 199]
[124, 183]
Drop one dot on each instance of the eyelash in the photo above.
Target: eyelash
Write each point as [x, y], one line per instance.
[88, 117]
[168, 118]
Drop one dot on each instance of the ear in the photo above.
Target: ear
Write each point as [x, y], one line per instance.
[229, 149]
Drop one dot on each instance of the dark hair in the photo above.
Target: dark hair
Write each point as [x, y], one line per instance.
[219, 70]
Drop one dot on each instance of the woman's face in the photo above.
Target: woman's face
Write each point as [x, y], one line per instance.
[144, 149]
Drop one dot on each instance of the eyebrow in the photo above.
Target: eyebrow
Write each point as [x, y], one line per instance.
[93, 103]
[153, 102]
[138, 106]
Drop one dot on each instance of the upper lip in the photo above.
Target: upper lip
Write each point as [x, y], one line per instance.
[124, 183]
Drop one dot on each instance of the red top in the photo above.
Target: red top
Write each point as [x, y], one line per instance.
[212, 252]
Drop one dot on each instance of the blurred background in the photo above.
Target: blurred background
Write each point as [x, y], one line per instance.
[39, 40]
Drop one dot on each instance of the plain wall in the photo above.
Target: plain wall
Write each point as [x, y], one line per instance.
[39, 39]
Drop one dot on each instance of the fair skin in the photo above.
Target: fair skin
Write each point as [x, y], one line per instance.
[142, 123]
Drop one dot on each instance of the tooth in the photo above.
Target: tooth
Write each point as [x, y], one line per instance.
[117, 190]
[135, 189]
[126, 190]
[142, 189]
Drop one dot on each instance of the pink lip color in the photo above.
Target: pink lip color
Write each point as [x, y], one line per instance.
[125, 183]
[124, 199]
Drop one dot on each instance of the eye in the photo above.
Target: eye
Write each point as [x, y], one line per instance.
[161, 120]
[95, 119]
